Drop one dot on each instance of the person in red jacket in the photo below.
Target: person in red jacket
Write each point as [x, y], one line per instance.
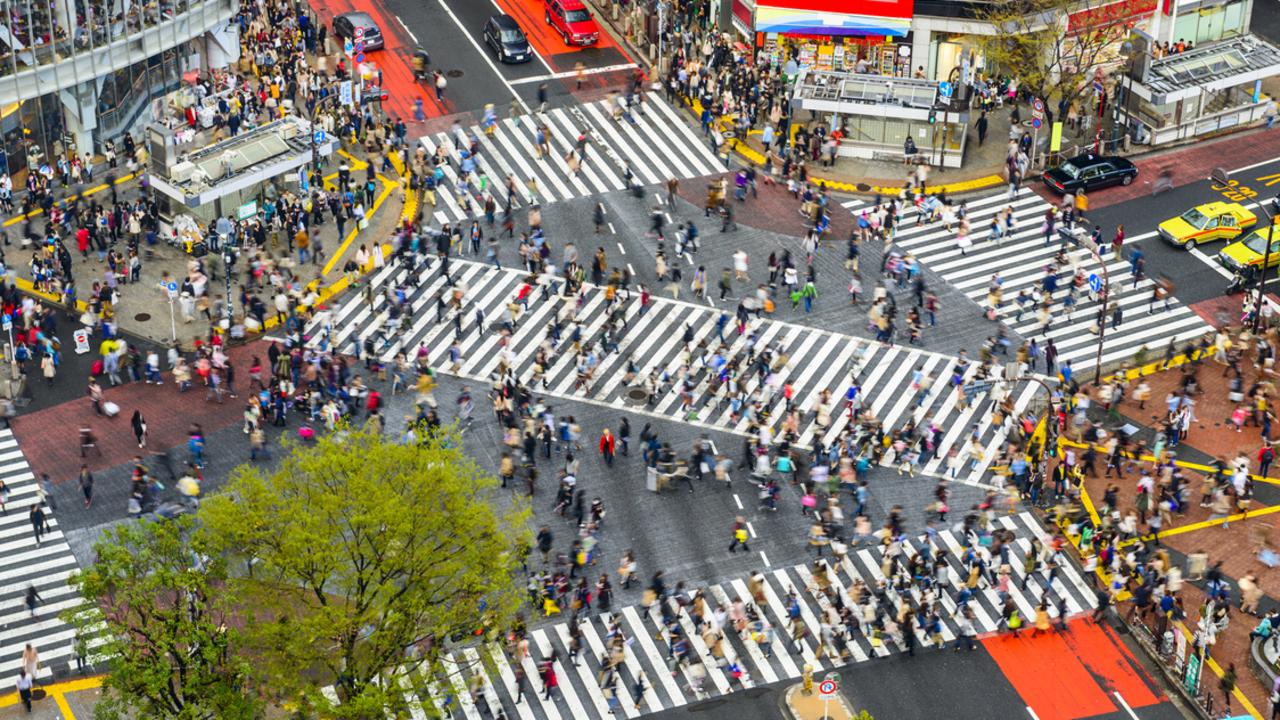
[606, 446]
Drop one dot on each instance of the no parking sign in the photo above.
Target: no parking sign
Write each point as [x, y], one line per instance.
[830, 685]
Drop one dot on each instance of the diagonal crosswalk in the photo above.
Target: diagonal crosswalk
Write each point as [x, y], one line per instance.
[24, 564]
[815, 362]
[657, 146]
[479, 682]
[1020, 261]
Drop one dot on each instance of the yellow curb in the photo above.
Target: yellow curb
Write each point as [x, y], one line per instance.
[756, 157]
[85, 193]
[387, 188]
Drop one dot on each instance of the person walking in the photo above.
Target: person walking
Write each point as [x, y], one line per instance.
[740, 534]
[139, 428]
[548, 673]
[38, 522]
[607, 446]
[86, 485]
[24, 688]
[32, 599]
[30, 661]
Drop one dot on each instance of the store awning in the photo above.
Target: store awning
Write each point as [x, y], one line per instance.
[835, 17]
[1105, 14]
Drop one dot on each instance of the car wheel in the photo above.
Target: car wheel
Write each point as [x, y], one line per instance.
[547, 16]
[497, 55]
[1127, 180]
[1191, 244]
[564, 34]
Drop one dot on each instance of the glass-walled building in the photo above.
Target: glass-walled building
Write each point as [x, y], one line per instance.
[76, 73]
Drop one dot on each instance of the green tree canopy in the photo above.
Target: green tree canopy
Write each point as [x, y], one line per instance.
[1053, 46]
[162, 611]
[367, 557]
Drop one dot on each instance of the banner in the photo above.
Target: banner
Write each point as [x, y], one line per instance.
[835, 17]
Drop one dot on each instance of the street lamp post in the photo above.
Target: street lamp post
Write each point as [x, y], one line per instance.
[1222, 177]
[1086, 242]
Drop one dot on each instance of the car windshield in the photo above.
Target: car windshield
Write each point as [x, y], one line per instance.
[1070, 170]
[1195, 218]
[512, 36]
[577, 16]
[1257, 243]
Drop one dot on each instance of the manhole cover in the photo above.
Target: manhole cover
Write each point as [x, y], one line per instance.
[863, 187]
[142, 317]
[637, 396]
[454, 73]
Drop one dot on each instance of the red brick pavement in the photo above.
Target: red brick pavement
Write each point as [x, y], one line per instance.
[50, 437]
[1234, 546]
[774, 210]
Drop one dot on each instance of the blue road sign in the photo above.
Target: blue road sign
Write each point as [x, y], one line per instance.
[172, 286]
[945, 89]
[1036, 122]
[319, 136]
[1095, 282]
[347, 47]
[359, 57]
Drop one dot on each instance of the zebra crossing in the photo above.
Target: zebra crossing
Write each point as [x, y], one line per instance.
[24, 564]
[1020, 261]
[480, 681]
[812, 360]
[656, 147]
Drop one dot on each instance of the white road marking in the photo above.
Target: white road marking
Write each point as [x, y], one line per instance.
[620, 248]
[765, 559]
[572, 73]
[488, 60]
[1125, 705]
[406, 29]
[737, 500]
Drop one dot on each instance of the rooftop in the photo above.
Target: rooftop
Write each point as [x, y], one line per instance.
[1215, 66]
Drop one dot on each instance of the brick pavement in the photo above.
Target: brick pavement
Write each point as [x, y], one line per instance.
[50, 437]
[1210, 436]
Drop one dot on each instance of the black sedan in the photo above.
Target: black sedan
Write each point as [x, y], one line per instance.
[1089, 172]
[504, 36]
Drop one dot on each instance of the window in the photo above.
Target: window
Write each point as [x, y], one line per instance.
[574, 16]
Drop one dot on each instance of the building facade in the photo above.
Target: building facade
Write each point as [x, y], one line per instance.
[76, 73]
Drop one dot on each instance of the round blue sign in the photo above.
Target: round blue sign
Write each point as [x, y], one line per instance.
[1095, 282]
[359, 57]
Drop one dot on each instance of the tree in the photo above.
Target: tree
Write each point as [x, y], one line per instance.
[1053, 46]
[368, 557]
[161, 610]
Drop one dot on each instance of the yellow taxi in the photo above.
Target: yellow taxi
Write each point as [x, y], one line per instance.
[1248, 254]
[1207, 223]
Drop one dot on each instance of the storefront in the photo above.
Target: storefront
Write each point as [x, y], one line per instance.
[1199, 23]
[832, 35]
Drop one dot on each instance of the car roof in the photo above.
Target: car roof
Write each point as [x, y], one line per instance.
[1089, 159]
[1217, 207]
[505, 22]
[360, 18]
[572, 5]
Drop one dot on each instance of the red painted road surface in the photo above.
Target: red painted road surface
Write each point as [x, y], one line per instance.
[395, 60]
[1073, 674]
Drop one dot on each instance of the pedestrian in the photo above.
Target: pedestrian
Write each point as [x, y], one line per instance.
[548, 673]
[37, 521]
[607, 446]
[24, 688]
[1227, 683]
[30, 661]
[139, 428]
[86, 485]
[32, 599]
[981, 126]
[624, 435]
[45, 491]
[740, 534]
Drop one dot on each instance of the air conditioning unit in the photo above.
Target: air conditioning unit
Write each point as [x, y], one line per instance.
[181, 172]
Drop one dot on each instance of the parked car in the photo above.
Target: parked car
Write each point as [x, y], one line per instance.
[1089, 172]
[503, 34]
[573, 21]
[344, 26]
[1207, 223]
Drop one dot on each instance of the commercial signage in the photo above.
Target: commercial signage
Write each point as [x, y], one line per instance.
[835, 17]
[1103, 15]
[744, 16]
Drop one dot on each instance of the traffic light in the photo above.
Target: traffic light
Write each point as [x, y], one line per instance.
[933, 115]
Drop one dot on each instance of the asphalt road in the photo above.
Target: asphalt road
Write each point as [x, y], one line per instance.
[451, 31]
[1196, 275]
[933, 684]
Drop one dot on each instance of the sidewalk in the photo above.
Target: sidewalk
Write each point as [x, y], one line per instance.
[143, 309]
[1234, 545]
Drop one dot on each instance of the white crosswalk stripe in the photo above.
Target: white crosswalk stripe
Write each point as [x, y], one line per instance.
[23, 564]
[647, 649]
[816, 361]
[1020, 260]
[657, 146]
